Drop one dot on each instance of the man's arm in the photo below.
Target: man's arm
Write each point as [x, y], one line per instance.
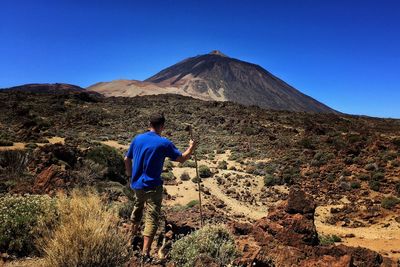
[128, 166]
[186, 155]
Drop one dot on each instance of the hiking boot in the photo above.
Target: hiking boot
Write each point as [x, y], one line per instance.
[135, 243]
[146, 259]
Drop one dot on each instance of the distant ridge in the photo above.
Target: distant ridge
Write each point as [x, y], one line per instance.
[46, 88]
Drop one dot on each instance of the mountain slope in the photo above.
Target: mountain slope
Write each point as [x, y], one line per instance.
[215, 76]
[46, 88]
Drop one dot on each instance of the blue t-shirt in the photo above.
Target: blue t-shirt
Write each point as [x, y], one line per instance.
[148, 152]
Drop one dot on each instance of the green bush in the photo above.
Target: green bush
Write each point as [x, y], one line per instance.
[168, 176]
[168, 165]
[192, 203]
[390, 202]
[108, 157]
[23, 219]
[185, 176]
[355, 185]
[189, 164]
[196, 180]
[370, 167]
[397, 188]
[328, 239]
[270, 180]
[14, 162]
[363, 177]
[204, 171]
[5, 143]
[223, 165]
[125, 209]
[378, 176]
[212, 240]
[374, 185]
[396, 141]
[321, 158]
[306, 143]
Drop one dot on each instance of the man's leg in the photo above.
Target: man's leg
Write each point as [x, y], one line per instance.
[137, 212]
[153, 210]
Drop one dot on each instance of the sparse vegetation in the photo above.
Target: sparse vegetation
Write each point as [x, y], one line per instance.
[5, 143]
[185, 176]
[192, 203]
[212, 240]
[270, 180]
[111, 159]
[329, 239]
[168, 176]
[223, 165]
[321, 158]
[204, 171]
[87, 234]
[24, 219]
[390, 202]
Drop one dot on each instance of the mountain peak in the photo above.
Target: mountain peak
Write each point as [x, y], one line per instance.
[218, 53]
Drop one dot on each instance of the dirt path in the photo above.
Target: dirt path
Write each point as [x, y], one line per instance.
[115, 144]
[385, 240]
[186, 191]
[236, 207]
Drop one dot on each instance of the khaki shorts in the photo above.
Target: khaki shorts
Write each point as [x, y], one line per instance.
[152, 199]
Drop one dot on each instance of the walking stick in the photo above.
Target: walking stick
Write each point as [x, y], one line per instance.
[190, 130]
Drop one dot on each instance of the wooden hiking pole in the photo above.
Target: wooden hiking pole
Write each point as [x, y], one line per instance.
[190, 130]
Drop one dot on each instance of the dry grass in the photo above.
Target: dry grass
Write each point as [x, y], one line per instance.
[88, 234]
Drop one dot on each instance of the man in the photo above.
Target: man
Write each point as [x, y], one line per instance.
[144, 163]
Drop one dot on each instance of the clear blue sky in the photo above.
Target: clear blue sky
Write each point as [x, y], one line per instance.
[345, 54]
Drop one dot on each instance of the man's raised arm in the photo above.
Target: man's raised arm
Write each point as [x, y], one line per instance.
[186, 155]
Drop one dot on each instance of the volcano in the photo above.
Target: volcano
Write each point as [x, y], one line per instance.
[217, 77]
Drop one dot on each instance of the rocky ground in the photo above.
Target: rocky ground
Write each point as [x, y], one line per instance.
[260, 164]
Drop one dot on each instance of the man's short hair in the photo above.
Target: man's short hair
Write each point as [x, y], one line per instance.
[157, 120]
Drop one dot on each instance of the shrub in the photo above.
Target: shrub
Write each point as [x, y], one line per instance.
[196, 180]
[23, 219]
[213, 241]
[192, 203]
[374, 185]
[168, 176]
[378, 176]
[223, 165]
[14, 162]
[370, 167]
[396, 141]
[125, 209]
[270, 180]
[108, 157]
[331, 177]
[307, 143]
[390, 202]
[328, 239]
[397, 188]
[5, 143]
[185, 176]
[87, 234]
[167, 165]
[321, 158]
[363, 177]
[355, 185]
[189, 164]
[204, 171]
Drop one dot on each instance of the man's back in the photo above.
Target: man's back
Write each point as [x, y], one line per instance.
[148, 152]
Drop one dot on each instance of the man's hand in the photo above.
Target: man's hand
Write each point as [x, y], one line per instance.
[192, 144]
[186, 155]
